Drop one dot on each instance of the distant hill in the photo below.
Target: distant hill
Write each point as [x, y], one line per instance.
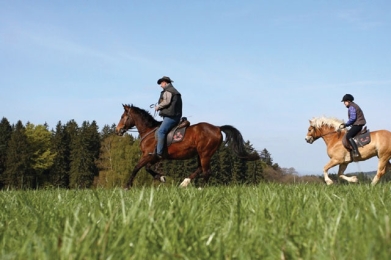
[369, 174]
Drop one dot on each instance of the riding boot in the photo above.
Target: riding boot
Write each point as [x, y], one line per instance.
[356, 154]
[156, 154]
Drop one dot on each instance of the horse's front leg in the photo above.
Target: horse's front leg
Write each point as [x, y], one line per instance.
[141, 163]
[341, 170]
[326, 168]
[155, 175]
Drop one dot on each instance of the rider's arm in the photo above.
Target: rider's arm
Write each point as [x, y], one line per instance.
[352, 116]
[166, 100]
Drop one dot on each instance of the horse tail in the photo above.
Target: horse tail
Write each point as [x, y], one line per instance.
[235, 141]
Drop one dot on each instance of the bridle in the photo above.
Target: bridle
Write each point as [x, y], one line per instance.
[332, 132]
[128, 116]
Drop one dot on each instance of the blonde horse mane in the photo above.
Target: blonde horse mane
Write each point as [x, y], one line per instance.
[318, 122]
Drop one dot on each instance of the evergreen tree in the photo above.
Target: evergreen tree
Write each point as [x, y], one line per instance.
[5, 136]
[254, 169]
[223, 172]
[266, 157]
[239, 170]
[18, 164]
[107, 131]
[84, 153]
[59, 172]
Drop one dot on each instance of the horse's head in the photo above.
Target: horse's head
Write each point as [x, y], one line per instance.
[126, 122]
[322, 126]
[312, 134]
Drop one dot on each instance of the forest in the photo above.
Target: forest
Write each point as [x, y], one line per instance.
[76, 156]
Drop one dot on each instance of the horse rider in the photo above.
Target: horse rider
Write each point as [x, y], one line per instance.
[356, 121]
[170, 108]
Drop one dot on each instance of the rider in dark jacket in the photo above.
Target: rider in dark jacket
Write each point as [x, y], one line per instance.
[170, 108]
[356, 121]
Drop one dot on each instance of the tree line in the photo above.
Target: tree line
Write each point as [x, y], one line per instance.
[76, 156]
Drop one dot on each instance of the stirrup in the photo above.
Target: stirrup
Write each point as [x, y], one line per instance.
[156, 154]
[356, 154]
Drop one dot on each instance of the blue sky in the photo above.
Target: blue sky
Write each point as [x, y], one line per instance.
[266, 67]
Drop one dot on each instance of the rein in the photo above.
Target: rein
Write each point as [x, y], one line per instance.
[336, 131]
[329, 133]
[150, 132]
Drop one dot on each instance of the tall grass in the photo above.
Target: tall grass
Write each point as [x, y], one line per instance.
[269, 221]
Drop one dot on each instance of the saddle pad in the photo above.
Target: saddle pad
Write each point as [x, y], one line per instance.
[361, 140]
[176, 135]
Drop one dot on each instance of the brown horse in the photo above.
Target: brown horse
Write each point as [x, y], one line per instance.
[201, 140]
[328, 129]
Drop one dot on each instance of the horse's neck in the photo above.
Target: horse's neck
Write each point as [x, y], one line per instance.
[143, 129]
[330, 136]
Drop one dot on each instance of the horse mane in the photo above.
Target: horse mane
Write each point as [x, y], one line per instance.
[145, 116]
[318, 122]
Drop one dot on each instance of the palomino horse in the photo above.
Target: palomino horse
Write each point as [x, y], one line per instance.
[327, 128]
[200, 140]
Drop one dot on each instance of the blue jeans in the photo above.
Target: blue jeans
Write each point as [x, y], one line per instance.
[167, 124]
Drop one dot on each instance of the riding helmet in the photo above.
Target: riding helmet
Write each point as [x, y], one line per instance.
[347, 97]
[165, 79]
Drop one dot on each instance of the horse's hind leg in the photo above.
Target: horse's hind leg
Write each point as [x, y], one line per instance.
[192, 176]
[341, 170]
[187, 180]
[382, 167]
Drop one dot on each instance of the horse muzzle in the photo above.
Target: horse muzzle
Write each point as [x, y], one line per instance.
[121, 131]
[309, 139]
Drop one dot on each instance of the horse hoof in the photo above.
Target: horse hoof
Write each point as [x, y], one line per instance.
[162, 179]
[329, 182]
[185, 182]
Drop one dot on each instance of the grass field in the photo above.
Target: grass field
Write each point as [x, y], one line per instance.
[269, 221]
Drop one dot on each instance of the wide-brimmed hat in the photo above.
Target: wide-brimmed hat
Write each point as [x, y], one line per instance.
[165, 79]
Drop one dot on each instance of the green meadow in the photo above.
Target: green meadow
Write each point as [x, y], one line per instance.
[268, 221]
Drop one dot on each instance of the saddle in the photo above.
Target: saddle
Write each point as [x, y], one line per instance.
[362, 138]
[177, 133]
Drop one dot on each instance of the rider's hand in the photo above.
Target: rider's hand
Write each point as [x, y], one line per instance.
[342, 126]
[156, 108]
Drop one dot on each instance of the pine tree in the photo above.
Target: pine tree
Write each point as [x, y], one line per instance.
[18, 164]
[5, 137]
[59, 172]
[84, 153]
[239, 170]
[266, 157]
[224, 159]
[107, 131]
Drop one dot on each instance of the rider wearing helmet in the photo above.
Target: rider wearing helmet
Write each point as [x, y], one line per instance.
[356, 121]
